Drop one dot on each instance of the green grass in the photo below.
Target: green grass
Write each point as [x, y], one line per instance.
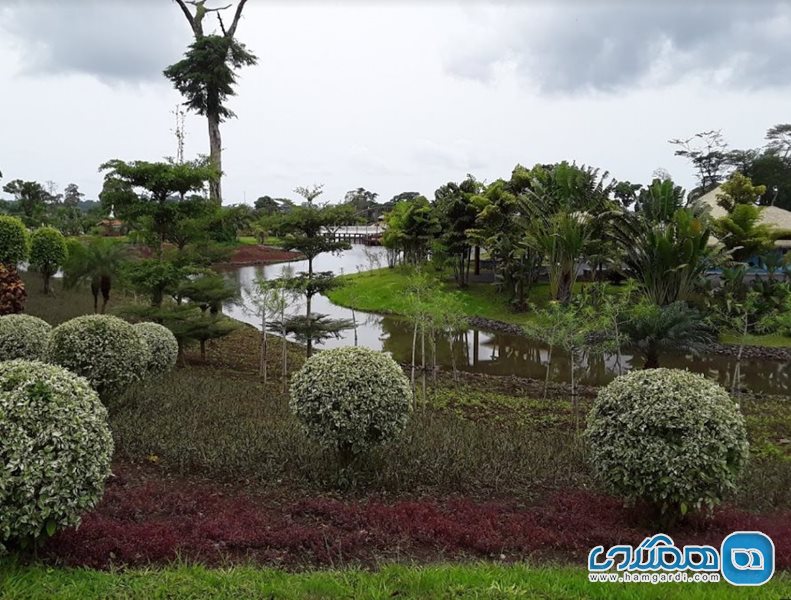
[446, 581]
[385, 291]
[249, 240]
[771, 340]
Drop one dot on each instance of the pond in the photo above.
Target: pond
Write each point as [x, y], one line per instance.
[491, 353]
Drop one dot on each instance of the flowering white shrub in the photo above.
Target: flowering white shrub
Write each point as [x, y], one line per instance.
[162, 346]
[23, 336]
[667, 436]
[106, 350]
[56, 448]
[351, 398]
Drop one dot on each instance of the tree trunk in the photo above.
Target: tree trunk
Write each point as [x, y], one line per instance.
[215, 156]
[285, 354]
[262, 358]
[651, 358]
[477, 260]
[105, 284]
[549, 365]
[414, 347]
[203, 350]
[46, 277]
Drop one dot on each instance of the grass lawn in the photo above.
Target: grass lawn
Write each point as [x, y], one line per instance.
[386, 291]
[249, 240]
[445, 581]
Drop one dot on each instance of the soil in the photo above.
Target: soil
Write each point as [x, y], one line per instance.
[247, 256]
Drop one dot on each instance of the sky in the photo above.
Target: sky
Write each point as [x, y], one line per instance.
[393, 96]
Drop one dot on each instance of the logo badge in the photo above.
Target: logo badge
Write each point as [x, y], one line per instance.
[748, 558]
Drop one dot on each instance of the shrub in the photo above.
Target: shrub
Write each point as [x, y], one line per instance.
[669, 437]
[351, 398]
[56, 447]
[23, 336]
[106, 350]
[13, 294]
[162, 346]
[14, 241]
[47, 252]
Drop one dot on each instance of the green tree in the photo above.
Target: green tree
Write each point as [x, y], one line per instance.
[411, 227]
[97, 262]
[664, 247]
[148, 192]
[207, 74]
[739, 189]
[674, 327]
[31, 198]
[707, 151]
[47, 253]
[742, 232]
[14, 241]
[457, 206]
[303, 229]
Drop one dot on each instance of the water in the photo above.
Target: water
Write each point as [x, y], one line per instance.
[493, 353]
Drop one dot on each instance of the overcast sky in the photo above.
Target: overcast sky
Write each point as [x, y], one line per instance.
[393, 96]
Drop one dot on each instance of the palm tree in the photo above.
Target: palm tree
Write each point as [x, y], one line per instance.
[652, 328]
[664, 244]
[743, 233]
[96, 263]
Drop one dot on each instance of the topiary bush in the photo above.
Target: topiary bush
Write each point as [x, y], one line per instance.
[14, 241]
[162, 346]
[56, 447]
[13, 294]
[23, 336]
[47, 253]
[109, 352]
[669, 437]
[351, 399]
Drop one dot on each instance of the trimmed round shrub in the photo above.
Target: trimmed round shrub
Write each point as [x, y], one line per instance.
[14, 241]
[669, 437]
[13, 294]
[56, 448]
[47, 252]
[351, 398]
[162, 346]
[106, 350]
[23, 336]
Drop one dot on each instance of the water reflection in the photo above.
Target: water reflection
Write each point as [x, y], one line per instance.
[497, 353]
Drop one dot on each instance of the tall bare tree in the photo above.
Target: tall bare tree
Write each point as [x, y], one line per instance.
[207, 73]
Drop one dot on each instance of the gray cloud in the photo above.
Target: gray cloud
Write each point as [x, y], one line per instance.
[609, 46]
[113, 40]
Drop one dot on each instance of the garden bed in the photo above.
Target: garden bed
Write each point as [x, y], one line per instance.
[148, 517]
[253, 255]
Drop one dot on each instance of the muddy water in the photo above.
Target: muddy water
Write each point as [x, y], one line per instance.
[494, 353]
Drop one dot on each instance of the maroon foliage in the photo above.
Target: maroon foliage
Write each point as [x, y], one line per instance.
[158, 520]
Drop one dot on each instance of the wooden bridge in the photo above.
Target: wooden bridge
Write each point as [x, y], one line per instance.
[370, 235]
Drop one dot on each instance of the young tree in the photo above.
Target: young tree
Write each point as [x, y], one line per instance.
[304, 229]
[652, 328]
[269, 301]
[97, 262]
[47, 253]
[207, 74]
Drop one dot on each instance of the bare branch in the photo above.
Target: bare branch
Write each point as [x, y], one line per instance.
[218, 9]
[187, 13]
[222, 25]
[236, 17]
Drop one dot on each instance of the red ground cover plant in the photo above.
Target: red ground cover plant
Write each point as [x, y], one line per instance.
[151, 519]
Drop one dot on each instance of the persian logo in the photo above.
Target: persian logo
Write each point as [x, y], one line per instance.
[748, 558]
[745, 558]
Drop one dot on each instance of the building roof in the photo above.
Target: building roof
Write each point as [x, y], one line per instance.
[770, 215]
